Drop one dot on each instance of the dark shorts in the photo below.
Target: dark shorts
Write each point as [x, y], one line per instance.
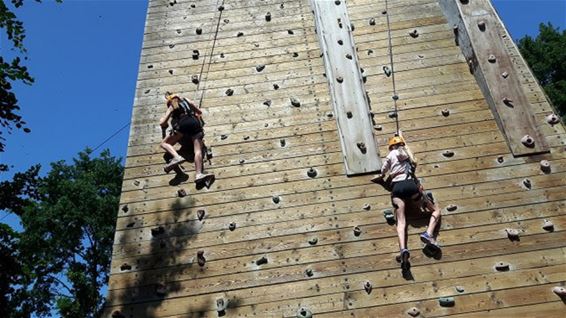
[189, 126]
[404, 189]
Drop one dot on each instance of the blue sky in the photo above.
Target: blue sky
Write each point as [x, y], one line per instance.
[84, 56]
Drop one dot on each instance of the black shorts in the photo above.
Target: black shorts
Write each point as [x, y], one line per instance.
[404, 189]
[189, 126]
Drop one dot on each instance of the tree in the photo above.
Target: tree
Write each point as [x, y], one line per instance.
[61, 258]
[545, 55]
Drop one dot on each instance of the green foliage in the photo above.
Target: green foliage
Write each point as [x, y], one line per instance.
[63, 254]
[546, 56]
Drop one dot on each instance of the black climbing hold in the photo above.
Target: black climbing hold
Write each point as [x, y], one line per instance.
[229, 92]
[125, 208]
[304, 313]
[352, 27]
[337, 2]
[246, 137]
[502, 266]
[181, 193]
[370, 52]
[157, 231]
[193, 5]
[448, 153]
[268, 16]
[527, 183]
[367, 207]
[201, 214]
[221, 55]
[349, 56]
[196, 54]
[387, 70]
[295, 102]
[242, 161]
[340, 42]
[349, 114]
[446, 301]
[548, 226]
[389, 216]
[414, 33]
[160, 289]
[313, 241]
[260, 67]
[357, 231]
[267, 103]
[464, 1]
[147, 91]
[239, 34]
[512, 234]
[171, 72]
[195, 79]
[125, 267]
[275, 86]
[368, 287]
[451, 207]
[378, 127]
[226, 21]
[339, 79]
[330, 115]
[221, 8]
[460, 289]
[384, 12]
[481, 25]
[395, 97]
[171, 46]
[545, 166]
[172, 3]
[232, 226]
[223, 137]
[200, 258]
[309, 272]
[282, 6]
[282, 142]
[290, 32]
[261, 261]
[275, 199]
[392, 115]
[372, 21]
[508, 102]
[500, 159]
[131, 224]
[311, 173]
[491, 58]
[445, 112]
[362, 147]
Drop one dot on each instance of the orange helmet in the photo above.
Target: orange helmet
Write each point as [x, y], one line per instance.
[396, 140]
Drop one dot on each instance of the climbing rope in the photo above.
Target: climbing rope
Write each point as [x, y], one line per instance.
[210, 55]
[395, 96]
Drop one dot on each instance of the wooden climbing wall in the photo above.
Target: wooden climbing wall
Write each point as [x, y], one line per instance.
[264, 148]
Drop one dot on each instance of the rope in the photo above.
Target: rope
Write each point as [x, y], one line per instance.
[111, 136]
[209, 57]
[395, 96]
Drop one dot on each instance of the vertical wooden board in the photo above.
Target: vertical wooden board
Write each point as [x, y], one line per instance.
[346, 87]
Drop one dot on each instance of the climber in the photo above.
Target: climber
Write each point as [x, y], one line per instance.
[186, 121]
[406, 188]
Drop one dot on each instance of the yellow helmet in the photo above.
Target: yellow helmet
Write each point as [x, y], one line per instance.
[396, 140]
[170, 96]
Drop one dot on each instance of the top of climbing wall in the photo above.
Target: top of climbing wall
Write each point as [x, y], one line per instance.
[284, 231]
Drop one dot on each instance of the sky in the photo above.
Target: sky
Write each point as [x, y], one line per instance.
[84, 55]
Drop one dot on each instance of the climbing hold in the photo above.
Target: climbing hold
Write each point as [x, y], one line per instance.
[357, 231]
[362, 147]
[339, 79]
[508, 102]
[181, 193]
[330, 114]
[221, 8]
[260, 67]
[504, 74]
[229, 92]
[548, 226]
[392, 115]
[200, 214]
[125, 267]
[512, 234]
[232, 226]
[395, 97]
[239, 34]
[309, 272]
[414, 33]
[313, 241]
[221, 55]
[221, 305]
[349, 114]
[367, 287]
[195, 54]
[446, 301]
[464, 1]
[413, 312]
[200, 258]
[195, 79]
[372, 21]
[172, 3]
[370, 52]
[386, 70]
[160, 289]
[267, 103]
[275, 86]
[384, 12]
[367, 207]
[312, 173]
[147, 91]
[491, 58]
[352, 27]
[295, 102]
[157, 231]
[222, 137]
[545, 166]
[500, 159]
[295, 54]
[261, 261]
[337, 2]
[125, 208]
[389, 216]
[460, 289]
[481, 25]
[378, 127]
[290, 32]
[471, 65]
[118, 314]
[226, 21]
[242, 161]
[451, 207]
[282, 142]
[304, 313]
[275, 199]
[131, 224]
[445, 112]
[527, 183]
[340, 42]
[552, 119]
[192, 5]
[528, 141]
[448, 153]
[198, 31]
[171, 72]
[268, 16]
[560, 291]
[150, 66]
[246, 137]
[349, 56]
[282, 6]
[502, 266]
[171, 46]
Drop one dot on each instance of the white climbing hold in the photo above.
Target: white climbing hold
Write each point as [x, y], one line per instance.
[413, 312]
[502, 266]
[512, 234]
[560, 291]
[527, 183]
[528, 141]
[552, 119]
[491, 58]
[545, 166]
[548, 226]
